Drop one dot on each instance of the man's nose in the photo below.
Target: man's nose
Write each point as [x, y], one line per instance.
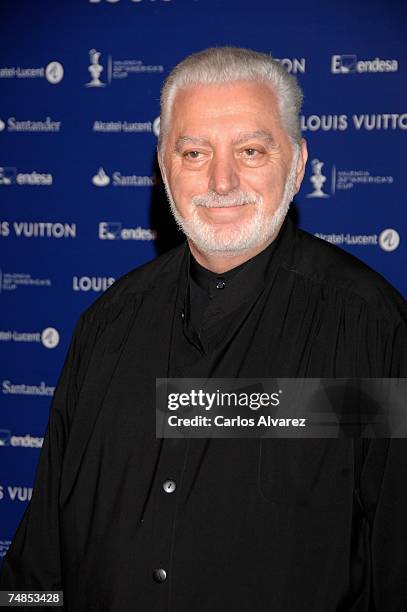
[224, 174]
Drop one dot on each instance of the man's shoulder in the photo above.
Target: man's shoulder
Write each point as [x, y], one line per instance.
[330, 265]
[162, 269]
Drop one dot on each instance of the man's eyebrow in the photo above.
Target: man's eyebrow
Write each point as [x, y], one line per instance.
[182, 140]
[264, 135]
[242, 137]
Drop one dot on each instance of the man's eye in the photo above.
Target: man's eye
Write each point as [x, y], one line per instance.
[251, 152]
[192, 154]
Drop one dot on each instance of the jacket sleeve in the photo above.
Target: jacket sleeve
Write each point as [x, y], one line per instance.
[384, 495]
[33, 560]
[384, 498]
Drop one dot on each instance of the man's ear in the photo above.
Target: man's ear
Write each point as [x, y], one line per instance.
[302, 160]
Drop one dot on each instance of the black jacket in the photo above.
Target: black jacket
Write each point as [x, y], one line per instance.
[252, 525]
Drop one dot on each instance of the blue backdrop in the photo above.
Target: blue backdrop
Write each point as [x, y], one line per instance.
[81, 200]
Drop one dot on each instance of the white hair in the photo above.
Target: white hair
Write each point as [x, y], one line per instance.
[218, 65]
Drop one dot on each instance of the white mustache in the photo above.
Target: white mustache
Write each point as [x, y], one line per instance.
[212, 199]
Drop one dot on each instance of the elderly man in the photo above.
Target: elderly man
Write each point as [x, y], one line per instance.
[123, 521]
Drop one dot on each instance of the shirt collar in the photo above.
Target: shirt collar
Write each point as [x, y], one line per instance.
[246, 280]
[210, 282]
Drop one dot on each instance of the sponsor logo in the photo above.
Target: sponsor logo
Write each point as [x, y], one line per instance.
[113, 230]
[101, 179]
[10, 281]
[388, 239]
[10, 176]
[10, 388]
[52, 72]
[115, 69]
[23, 441]
[341, 180]
[4, 546]
[347, 64]
[37, 229]
[317, 180]
[5, 435]
[49, 337]
[116, 1]
[92, 283]
[156, 126]
[15, 493]
[95, 69]
[130, 127]
[340, 123]
[294, 65]
[28, 125]
[7, 175]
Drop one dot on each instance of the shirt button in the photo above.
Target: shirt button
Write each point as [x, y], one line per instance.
[220, 284]
[159, 575]
[169, 486]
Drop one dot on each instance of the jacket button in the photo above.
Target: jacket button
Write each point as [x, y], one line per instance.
[169, 486]
[159, 575]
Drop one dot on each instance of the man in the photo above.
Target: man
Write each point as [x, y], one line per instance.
[123, 521]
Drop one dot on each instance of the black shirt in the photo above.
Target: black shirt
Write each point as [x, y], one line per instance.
[236, 524]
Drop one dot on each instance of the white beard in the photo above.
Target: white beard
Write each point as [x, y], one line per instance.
[262, 228]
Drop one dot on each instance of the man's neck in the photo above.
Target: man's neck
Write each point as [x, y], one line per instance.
[220, 263]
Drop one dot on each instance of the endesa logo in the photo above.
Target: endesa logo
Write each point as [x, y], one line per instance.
[113, 230]
[347, 64]
[25, 441]
[10, 176]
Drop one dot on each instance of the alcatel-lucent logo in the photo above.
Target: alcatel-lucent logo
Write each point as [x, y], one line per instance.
[388, 239]
[48, 337]
[53, 72]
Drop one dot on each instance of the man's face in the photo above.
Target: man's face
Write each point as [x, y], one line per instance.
[229, 166]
